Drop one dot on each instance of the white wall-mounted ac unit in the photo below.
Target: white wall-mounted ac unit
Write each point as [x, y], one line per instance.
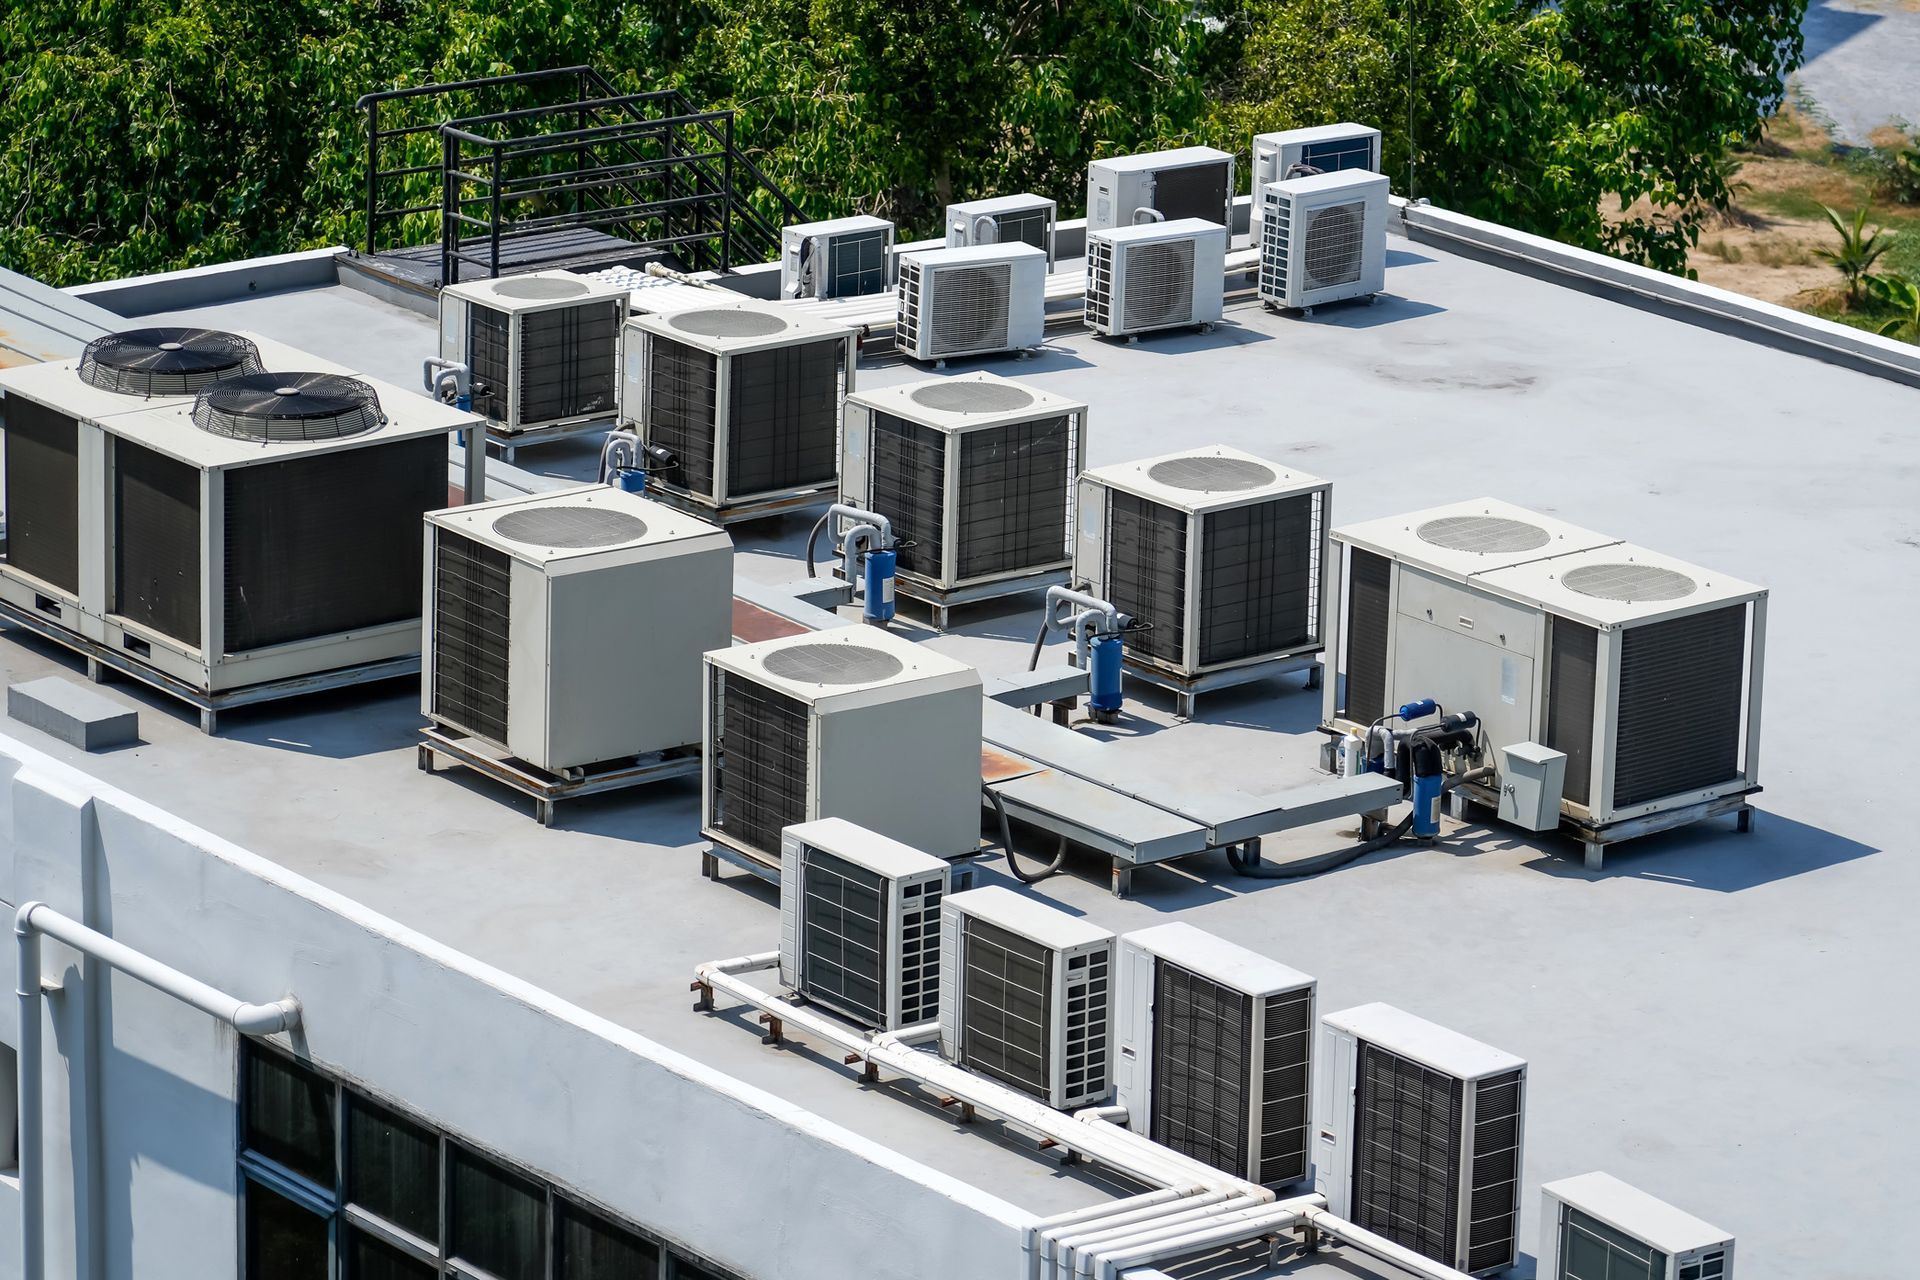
[1027, 996]
[1420, 1134]
[1296, 153]
[546, 633]
[860, 923]
[1156, 275]
[1596, 1227]
[976, 471]
[1021, 219]
[1224, 553]
[856, 723]
[543, 348]
[839, 258]
[1323, 239]
[969, 302]
[1187, 182]
[1216, 1052]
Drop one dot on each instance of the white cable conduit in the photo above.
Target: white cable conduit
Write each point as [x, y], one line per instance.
[1247, 1223]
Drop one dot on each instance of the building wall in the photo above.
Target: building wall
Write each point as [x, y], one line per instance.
[140, 1090]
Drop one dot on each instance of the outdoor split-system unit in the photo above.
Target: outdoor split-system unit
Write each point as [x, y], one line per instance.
[1162, 186]
[1617, 689]
[1216, 1052]
[747, 400]
[1155, 275]
[547, 633]
[976, 474]
[860, 924]
[1225, 554]
[855, 723]
[975, 301]
[1300, 153]
[1419, 1136]
[1027, 996]
[1322, 239]
[1021, 219]
[543, 350]
[218, 515]
[1596, 1227]
[840, 258]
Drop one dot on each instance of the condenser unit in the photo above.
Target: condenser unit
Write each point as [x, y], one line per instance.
[543, 350]
[1157, 275]
[1300, 153]
[840, 258]
[1216, 1052]
[566, 629]
[976, 474]
[1021, 219]
[1028, 996]
[855, 723]
[746, 398]
[860, 923]
[1420, 1132]
[1188, 182]
[1596, 1227]
[1322, 239]
[970, 302]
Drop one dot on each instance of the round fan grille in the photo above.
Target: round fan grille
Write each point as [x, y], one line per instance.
[1214, 475]
[971, 397]
[731, 322]
[288, 406]
[1335, 245]
[1628, 582]
[540, 288]
[832, 664]
[1483, 535]
[166, 362]
[570, 527]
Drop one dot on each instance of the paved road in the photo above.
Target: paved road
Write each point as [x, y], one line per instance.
[1862, 66]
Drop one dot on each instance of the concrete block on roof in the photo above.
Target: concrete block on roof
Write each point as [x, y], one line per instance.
[73, 713]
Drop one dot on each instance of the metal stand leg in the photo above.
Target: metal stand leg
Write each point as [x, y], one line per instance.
[709, 866]
[209, 721]
[1744, 822]
[1595, 853]
[96, 671]
[1314, 674]
[543, 810]
[1122, 880]
[423, 758]
[1183, 704]
[940, 618]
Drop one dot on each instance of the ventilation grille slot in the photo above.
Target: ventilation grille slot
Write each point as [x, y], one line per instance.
[1494, 1220]
[1016, 483]
[1286, 1070]
[969, 309]
[1100, 284]
[490, 358]
[1006, 1007]
[1369, 589]
[920, 952]
[1276, 247]
[1337, 154]
[1147, 573]
[908, 336]
[682, 387]
[1406, 1158]
[1681, 685]
[1159, 285]
[1570, 689]
[909, 487]
[472, 599]
[1192, 191]
[1260, 579]
[156, 547]
[1087, 994]
[1202, 1058]
[568, 357]
[1023, 226]
[843, 960]
[1335, 244]
[760, 764]
[43, 493]
[784, 417]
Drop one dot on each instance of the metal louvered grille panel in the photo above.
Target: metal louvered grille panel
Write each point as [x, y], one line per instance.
[760, 765]
[490, 358]
[1286, 1071]
[1159, 285]
[856, 264]
[968, 308]
[1334, 245]
[1100, 284]
[567, 362]
[43, 492]
[907, 337]
[1202, 1057]
[1087, 993]
[909, 487]
[783, 414]
[1192, 191]
[1680, 697]
[1570, 689]
[1005, 1007]
[156, 545]
[682, 386]
[1337, 154]
[1493, 1219]
[472, 598]
[1369, 588]
[1147, 572]
[1015, 486]
[1259, 579]
[1407, 1153]
[843, 952]
[1276, 247]
[920, 952]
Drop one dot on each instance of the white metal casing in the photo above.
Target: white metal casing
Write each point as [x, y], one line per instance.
[986, 221]
[1330, 148]
[955, 409]
[1323, 239]
[1119, 187]
[597, 669]
[808, 250]
[517, 297]
[1155, 275]
[1449, 1054]
[898, 754]
[1065, 1061]
[1277, 1092]
[907, 960]
[1691, 1249]
[968, 302]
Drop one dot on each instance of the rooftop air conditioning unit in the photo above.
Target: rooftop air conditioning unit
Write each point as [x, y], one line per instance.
[970, 302]
[543, 349]
[1420, 1132]
[1597, 1226]
[1300, 153]
[1021, 219]
[860, 924]
[1323, 239]
[746, 398]
[856, 724]
[1216, 1052]
[975, 472]
[1027, 999]
[1188, 182]
[545, 633]
[841, 258]
[1157, 275]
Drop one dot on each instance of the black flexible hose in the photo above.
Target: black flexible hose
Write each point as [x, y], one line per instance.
[1039, 641]
[1006, 843]
[1325, 862]
[814, 537]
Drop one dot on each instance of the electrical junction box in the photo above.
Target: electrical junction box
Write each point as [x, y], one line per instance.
[1532, 780]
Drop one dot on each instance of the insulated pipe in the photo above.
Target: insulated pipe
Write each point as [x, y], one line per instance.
[1152, 215]
[1240, 1226]
[1042, 1234]
[1182, 1218]
[1379, 1246]
[681, 277]
[1058, 1243]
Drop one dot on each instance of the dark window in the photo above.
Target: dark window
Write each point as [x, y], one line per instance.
[393, 1169]
[591, 1248]
[290, 1116]
[371, 1258]
[496, 1220]
[284, 1241]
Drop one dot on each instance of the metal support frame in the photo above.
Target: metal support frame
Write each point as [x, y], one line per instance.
[547, 789]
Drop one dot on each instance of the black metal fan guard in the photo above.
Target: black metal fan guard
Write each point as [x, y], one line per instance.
[166, 361]
[288, 407]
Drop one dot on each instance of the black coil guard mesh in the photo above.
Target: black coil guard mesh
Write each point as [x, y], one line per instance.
[288, 406]
[166, 361]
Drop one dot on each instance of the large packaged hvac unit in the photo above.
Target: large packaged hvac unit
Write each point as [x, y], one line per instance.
[1021, 219]
[856, 724]
[1322, 239]
[548, 633]
[1420, 1134]
[1596, 1227]
[840, 258]
[860, 923]
[968, 302]
[1216, 1052]
[543, 350]
[1300, 153]
[746, 398]
[1225, 554]
[1157, 275]
[1187, 182]
[1027, 996]
[976, 473]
